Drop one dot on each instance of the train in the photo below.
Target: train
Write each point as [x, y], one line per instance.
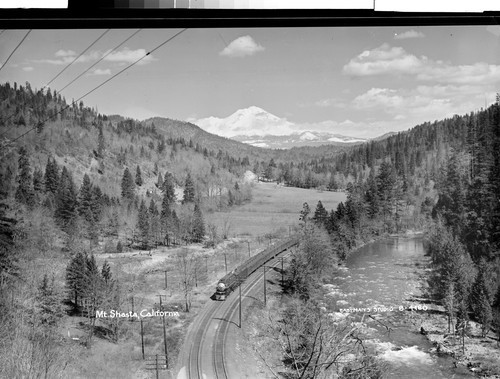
[231, 280]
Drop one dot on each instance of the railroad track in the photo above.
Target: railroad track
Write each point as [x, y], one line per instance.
[218, 348]
[194, 369]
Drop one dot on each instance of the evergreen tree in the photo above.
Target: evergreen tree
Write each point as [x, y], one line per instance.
[38, 181]
[371, 195]
[85, 199]
[51, 176]
[143, 224]
[66, 201]
[75, 277]
[168, 188]
[106, 272]
[320, 214]
[101, 144]
[50, 310]
[159, 182]
[138, 177]
[24, 192]
[153, 210]
[128, 185]
[97, 203]
[188, 190]
[480, 298]
[119, 247]
[198, 224]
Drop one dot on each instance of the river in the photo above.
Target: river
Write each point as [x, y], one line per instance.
[385, 274]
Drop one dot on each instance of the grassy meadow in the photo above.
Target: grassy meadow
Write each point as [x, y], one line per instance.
[273, 209]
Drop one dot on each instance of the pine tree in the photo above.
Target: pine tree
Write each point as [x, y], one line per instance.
[97, 203]
[38, 186]
[168, 188]
[143, 224]
[480, 298]
[128, 185]
[198, 224]
[75, 278]
[66, 202]
[106, 272]
[138, 176]
[85, 200]
[119, 247]
[51, 176]
[320, 214]
[188, 190]
[101, 144]
[24, 192]
[159, 182]
[50, 310]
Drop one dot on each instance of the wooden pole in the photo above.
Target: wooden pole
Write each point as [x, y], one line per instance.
[165, 341]
[265, 298]
[240, 303]
[157, 371]
[166, 282]
[225, 261]
[142, 339]
[282, 277]
[248, 243]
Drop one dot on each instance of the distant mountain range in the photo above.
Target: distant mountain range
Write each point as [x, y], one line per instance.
[257, 127]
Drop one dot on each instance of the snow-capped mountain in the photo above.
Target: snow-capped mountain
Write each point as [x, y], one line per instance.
[248, 121]
[255, 126]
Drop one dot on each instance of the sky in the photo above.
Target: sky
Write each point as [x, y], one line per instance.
[357, 81]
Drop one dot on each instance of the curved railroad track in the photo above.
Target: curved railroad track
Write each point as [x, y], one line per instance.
[219, 344]
[200, 341]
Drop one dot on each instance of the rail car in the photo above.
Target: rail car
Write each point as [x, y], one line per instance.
[231, 280]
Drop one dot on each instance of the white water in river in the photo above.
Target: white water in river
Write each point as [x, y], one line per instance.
[383, 274]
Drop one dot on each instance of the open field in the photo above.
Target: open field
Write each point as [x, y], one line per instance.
[273, 209]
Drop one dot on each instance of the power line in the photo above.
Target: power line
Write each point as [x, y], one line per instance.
[67, 85]
[103, 83]
[13, 51]
[74, 60]
[104, 56]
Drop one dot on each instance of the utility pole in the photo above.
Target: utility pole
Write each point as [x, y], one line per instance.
[240, 302]
[206, 264]
[160, 296]
[282, 272]
[166, 281]
[165, 341]
[225, 261]
[265, 297]
[248, 243]
[142, 339]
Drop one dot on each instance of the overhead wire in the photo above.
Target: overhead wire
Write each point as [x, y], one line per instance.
[100, 60]
[103, 83]
[78, 57]
[67, 85]
[13, 51]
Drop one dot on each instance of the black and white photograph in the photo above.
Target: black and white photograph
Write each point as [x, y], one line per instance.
[263, 202]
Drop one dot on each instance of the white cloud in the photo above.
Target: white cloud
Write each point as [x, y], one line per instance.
[64, 57]
[241, 47]
[409, 34]
[387, 60]
[382, 60]
[28, 68]
[99, 71]
[129, 56]
[65, 53]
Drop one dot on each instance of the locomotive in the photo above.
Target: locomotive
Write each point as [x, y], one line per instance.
[230, 281]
